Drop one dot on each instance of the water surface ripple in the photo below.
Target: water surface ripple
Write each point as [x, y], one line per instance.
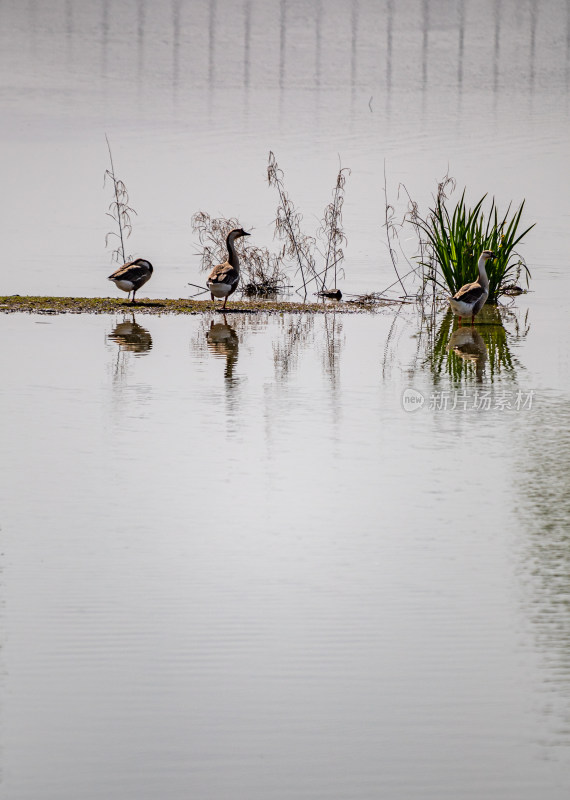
[233, 562]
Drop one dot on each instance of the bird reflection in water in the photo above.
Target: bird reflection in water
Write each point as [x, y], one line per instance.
[468, 344]
[131, 337]
[223, 342]
[486, 349]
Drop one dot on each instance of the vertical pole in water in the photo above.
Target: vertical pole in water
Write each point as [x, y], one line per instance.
[175, 50]
[460, 56]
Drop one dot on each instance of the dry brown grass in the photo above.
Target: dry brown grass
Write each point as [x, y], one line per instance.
[120, 212]
[262, 271]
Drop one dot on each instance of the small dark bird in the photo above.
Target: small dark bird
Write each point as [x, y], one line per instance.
[223, 280]
[132, 275]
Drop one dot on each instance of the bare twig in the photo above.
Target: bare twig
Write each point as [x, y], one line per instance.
[331, 231]
[119, 210]
[302, 248]
[288, 225]
[391, 230]
[262, 271]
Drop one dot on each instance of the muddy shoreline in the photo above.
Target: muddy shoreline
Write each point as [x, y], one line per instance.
[110, 305]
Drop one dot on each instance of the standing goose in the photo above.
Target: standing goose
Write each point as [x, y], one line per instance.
[471, 298]
[223, 280]
[132, 275]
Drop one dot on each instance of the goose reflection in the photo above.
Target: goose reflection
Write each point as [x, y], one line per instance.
[487, 349]
[223, 342]
[131, 337]
[468, 344]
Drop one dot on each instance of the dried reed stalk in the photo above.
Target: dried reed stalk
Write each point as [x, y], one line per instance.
[391, 230]
[302, 248]
[120, 212]
[262, 271]
[297, 245]
[331, 230]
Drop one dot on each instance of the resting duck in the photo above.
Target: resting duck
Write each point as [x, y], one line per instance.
[471, 298]
[132, 275]
[223, 280]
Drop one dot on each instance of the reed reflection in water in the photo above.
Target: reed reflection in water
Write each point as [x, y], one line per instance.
[297, 332]
[133, 340]
[333, 343]
[223, 593]
[483, 351]
[469, 345]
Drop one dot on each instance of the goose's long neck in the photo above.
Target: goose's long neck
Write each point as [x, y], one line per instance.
[483, 279]
[232, 253]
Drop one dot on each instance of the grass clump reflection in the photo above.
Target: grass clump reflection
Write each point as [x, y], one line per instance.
[469, 351]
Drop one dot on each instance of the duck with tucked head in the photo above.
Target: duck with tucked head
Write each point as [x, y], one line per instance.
[471, 298]
[132, 275]
[223, 280]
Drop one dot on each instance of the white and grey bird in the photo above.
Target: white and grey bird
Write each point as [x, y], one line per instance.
[471, 298]
[223, 280]
[132, 275]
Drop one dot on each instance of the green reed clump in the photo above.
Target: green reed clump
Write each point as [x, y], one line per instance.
[451, 243]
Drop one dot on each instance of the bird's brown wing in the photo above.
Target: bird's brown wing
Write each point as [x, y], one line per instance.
[130, 272]
[224, 273]
[469, 293]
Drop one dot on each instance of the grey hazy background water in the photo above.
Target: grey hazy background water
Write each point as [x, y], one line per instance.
[193, 95]
[231, 564]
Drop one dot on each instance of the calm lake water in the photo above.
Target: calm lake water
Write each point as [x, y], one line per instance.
[274, 556]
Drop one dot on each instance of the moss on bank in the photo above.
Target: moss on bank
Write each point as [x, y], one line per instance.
[111, 305]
